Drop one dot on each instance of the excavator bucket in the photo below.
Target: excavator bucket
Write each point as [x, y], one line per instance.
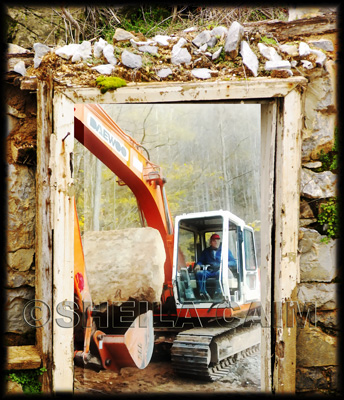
[133, 349]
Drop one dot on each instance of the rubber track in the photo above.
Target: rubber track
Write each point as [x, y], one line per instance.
[190, 358]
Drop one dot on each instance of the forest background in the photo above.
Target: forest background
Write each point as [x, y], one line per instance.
[209, 154]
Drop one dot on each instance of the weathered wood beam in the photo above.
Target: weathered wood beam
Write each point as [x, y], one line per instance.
[13, 59]
[291, 30]
[29, 83]
[62, 221]
[286, 258]
[252, 88]
[44, 239]
[267, 179]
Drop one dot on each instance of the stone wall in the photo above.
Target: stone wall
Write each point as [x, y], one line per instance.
[317, 333]
[21, 159]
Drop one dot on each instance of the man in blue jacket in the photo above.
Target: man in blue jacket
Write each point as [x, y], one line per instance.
[211, 256]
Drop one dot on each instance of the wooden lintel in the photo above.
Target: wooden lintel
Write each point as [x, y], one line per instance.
[23, 357]
[258, 88]
[13, 59]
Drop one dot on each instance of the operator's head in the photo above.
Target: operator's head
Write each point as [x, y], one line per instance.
[215, 240]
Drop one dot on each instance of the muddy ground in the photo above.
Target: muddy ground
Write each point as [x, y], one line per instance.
[159, 377]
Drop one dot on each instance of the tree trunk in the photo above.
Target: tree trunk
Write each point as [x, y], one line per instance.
[97, 195]
[224, 168]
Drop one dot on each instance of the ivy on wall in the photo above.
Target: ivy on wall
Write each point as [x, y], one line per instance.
[328, 214]
[330, 160]
[28, 379]
[328, 217]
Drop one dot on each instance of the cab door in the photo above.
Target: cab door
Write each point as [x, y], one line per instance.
[251, 281]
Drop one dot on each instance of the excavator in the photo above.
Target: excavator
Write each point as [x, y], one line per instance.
[205, 336]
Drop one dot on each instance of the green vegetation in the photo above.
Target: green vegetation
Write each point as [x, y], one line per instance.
[28, 379]
[109, 83]
[146, 19]
[267, 40]
[221, 57]
[330, 160]
[89, 22]
[328, 217]
[255, 225]
[257, 15]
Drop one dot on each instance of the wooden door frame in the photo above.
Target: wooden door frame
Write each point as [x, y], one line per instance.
[281, 123]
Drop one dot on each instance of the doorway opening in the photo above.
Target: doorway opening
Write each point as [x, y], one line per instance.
[280, 118]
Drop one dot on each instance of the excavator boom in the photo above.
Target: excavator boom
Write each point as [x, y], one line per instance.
[95, 129]
[124, 157]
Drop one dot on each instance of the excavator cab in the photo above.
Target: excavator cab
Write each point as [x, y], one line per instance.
[237, 278]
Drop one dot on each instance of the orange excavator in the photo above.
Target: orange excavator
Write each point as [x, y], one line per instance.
[206, 335]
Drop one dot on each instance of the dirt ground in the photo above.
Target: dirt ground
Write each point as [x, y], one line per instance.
[159, 377]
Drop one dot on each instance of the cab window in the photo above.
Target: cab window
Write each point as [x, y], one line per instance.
[186, 247]
[250, 258]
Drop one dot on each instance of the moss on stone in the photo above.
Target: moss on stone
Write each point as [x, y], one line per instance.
[109, 83]
[267, 40]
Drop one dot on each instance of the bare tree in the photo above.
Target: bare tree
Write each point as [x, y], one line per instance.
[96, 194]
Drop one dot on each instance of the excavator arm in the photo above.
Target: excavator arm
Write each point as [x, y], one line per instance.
[94, 128]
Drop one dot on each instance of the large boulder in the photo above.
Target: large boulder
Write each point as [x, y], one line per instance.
[124, 264]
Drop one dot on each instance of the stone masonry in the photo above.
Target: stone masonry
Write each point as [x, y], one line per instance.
[317, 361]
[21, 158]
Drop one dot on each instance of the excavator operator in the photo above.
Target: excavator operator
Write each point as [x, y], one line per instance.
[211, 257]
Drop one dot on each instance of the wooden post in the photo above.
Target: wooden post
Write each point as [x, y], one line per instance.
[268, 139]
[286, 260]
[43, 256]
[62, 197]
